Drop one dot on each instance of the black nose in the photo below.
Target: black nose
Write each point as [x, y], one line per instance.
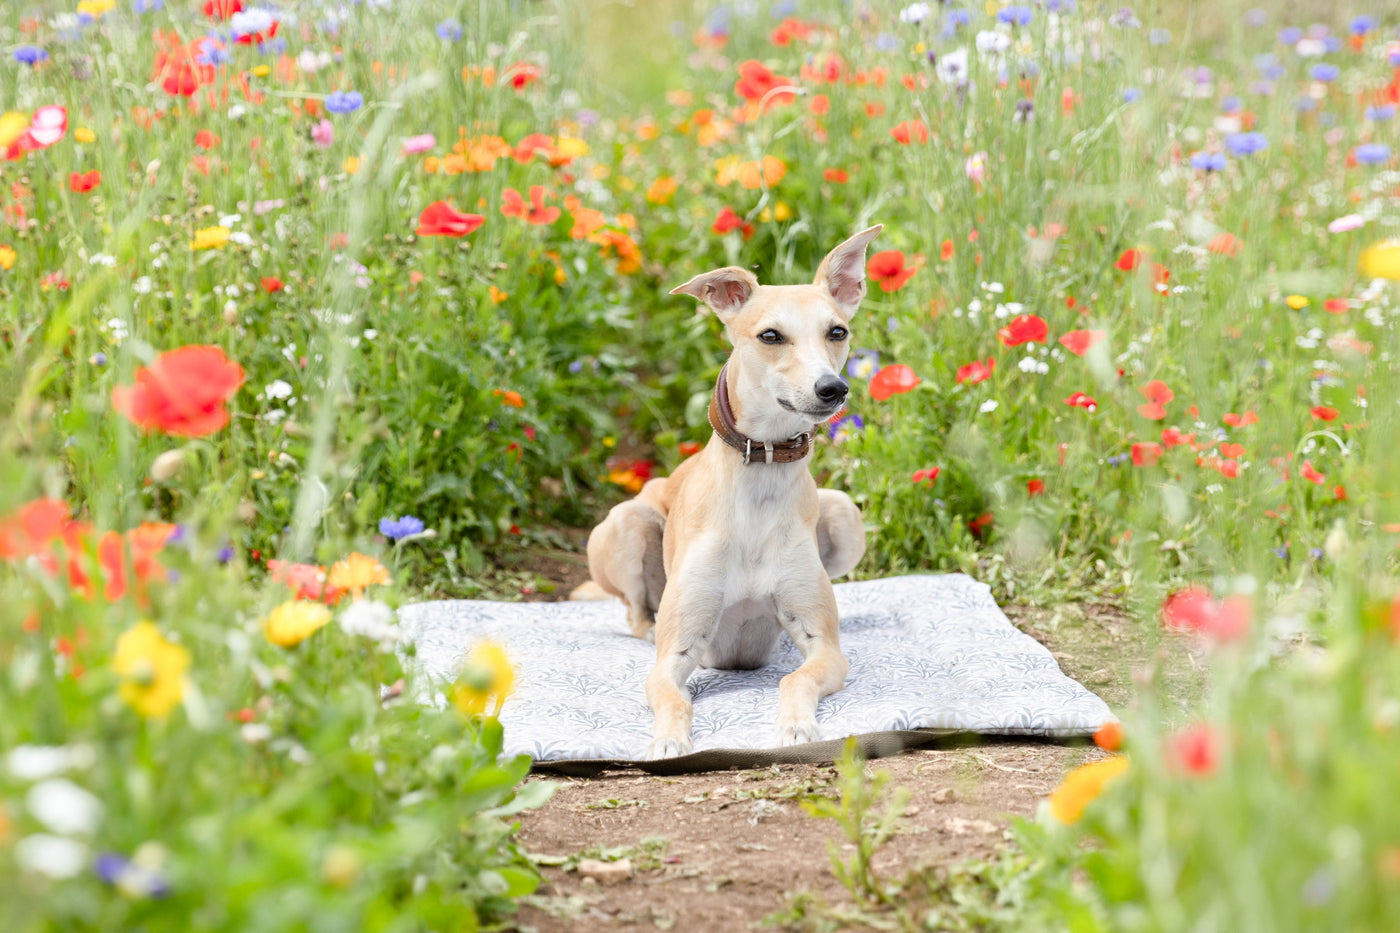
[831, 389]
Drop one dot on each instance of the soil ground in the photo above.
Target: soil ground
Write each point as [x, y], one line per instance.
[724, 850]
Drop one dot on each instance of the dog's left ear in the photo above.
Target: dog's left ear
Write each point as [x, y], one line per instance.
[842, 272]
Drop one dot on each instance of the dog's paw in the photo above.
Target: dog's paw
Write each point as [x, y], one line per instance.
[668, 748]
[797, 732]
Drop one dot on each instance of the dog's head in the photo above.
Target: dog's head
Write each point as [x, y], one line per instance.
[790, 341]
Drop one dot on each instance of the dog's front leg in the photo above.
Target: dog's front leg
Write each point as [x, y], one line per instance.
[810, 617]
[684, 622]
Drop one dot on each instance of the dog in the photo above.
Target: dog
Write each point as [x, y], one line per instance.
[739, 544]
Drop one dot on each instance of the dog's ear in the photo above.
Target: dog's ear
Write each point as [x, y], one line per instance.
[724, 290]
[842, 272]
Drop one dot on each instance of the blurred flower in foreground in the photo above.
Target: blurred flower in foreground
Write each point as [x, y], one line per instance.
[183, 392]
[152, 670]
[1082, 786]
[1381, 260]
[892, 380]
[442, 219]
[1195, 751]
[136, 877]
[294, 621]
[486, 674]
[1197, 612]
[356, 573]
[397, 528]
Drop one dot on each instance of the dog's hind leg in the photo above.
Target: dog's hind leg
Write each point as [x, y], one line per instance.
[625, 559]
[840, 533]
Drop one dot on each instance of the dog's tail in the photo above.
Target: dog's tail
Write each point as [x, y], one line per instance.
[589, 592]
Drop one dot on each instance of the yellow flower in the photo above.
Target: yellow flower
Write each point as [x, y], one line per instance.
[486, 673]
[12, 127]
[95, 8]
[84, 135]
[210, 238]
[262, 71]
[1297, 302]
[7, 258]
[1082, 785]
[152, 670]
[357, 572]
[1381, 260]
[351, 164]
[662, 190]
[498, 296]
[294, 621]
[571, 146]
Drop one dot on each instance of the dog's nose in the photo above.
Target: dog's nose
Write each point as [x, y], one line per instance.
[831, 389]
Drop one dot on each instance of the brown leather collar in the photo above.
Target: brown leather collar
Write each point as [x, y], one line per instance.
[722, 420]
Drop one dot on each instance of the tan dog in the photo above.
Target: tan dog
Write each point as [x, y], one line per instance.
[738, 543]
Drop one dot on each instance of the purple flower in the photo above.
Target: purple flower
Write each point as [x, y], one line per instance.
[1131, 94]
[133, 879]
[1363, 24]
[863, 364]
[1381, 112]
[30, 55]
[1060, 6]
[1373, 153]
[1289, 35]
[1015, 15]
[1324, 72]
[344, 101]
[1209, 161]
[225, 554]
[98, 359]
[396, 528]
[1231, 104]
[448, 31]
[1243, 144]
[843, 428]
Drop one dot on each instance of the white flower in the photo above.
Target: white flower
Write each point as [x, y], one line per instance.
[142, 286]
[36, 762]
[53, 856]
[255, 732]
[914, 13]
[118, 329]
[1310, 48]
[372, 619]
[1347, 223]
[990, 42]
[229, 220]
[102, 259]
[64, 807]
[989, 405]
[278, 389]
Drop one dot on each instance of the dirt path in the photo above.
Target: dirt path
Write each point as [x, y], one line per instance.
[722, 851]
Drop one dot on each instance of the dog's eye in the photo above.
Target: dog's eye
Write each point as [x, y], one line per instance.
[771, 336]
[837, 333]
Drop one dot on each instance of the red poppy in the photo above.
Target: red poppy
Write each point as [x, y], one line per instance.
[306, 581]
[1171, 437]
[271, 284]
[1240, 421]
[182, 393]
[205, 139]
[789, 30]
[258, 38]
[1195, 751]
[892, 380]
[728, 220]
[1336, 305]
[442, 219]
[1028, 328]
[536, 213]
[910, 131]
[1035, 487]
[25, 531]
[1310, 473]
[1078, 342]
[1323, 413]
[1146, 453]
[1080, 400]
[929, 474]
[83, 182]
[1157, 395]
[945, 250]
[836, 176]
[755, 81]
[1225, 244]
[222, 9]
[888, 270]
[688, 448]
[976, 371]
[1128, 260]
[521, 75]
[980, 524]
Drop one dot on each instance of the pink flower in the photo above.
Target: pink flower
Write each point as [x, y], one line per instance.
[323, 134]
[424, 142]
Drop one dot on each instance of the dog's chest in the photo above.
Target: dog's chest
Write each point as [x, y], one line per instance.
[765, 531]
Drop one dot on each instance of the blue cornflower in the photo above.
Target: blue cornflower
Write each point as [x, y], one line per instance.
[1382, 112]
[396, 528]
[1289, 35]
[1363, 24]
[782, 8]
[576, 367]
[1281, 552]
[1372, 153]
[98, 359]
[1015, 15]
[344, 101]
[133, 879]
[1305, 105]
[30, 55]
[1131, 94]
[863, 364]
[147, 6]
[212, 54]
[1231, 104]
[1323, 71]
[448, 30]
[1060, 6]
[1332, 43]
[1209, 161]
[1243, 144]
[956, 18]
[886, 42]
[1392, 57]
[225, 554]
[1315, 553]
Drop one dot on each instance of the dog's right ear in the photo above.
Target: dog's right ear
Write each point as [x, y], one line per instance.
[724, 290]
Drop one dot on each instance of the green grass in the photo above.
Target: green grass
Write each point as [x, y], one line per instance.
[383, 381]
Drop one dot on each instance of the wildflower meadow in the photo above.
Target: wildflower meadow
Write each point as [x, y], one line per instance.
[312, 309]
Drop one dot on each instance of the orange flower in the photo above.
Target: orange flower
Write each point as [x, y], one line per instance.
[306, 581]
[513, 205]
[616, 243]
[1083, 785]
[356, 573]
[182, 393]
[887, 269]
[587, 221]
[662, 190]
